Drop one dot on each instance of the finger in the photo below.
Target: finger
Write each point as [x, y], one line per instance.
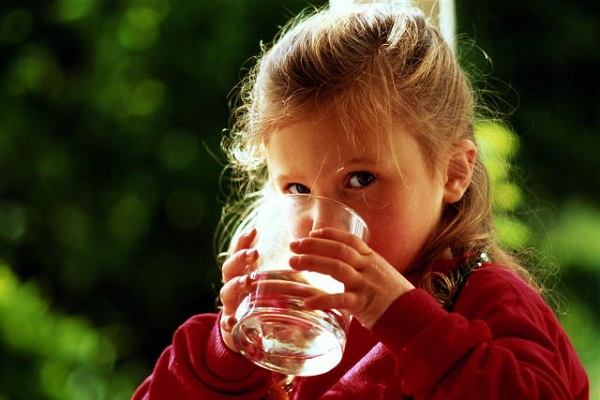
[327, 247]
[342, 236]
[240, 263]
[227, 322]
[335, 268]
[233, 292]
[245, 240]
[241, 257]
[341, 301]
[295, 289]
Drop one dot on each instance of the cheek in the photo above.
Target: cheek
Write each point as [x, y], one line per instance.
[393, 239]
[400, 237]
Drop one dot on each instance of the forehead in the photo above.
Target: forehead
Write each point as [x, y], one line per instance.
[339, 121]
[320, 138]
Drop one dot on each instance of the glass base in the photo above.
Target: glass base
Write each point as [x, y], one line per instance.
[289, 340]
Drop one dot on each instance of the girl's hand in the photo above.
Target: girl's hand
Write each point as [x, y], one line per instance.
[234, 270]
[371, 283]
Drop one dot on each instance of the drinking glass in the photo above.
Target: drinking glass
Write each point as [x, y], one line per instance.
[274, 329]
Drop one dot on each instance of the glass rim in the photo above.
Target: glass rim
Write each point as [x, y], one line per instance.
[310, 196]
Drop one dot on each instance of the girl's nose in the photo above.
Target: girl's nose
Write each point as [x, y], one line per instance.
[308, 213]
[327, 214]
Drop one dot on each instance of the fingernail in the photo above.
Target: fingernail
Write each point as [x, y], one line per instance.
[251, 233]
[294, 261]
[295, 244]
[248, 235]
[250, 254]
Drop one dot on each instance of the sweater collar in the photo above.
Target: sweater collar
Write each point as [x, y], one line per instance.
[445, 266]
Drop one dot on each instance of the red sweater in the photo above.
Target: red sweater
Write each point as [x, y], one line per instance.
[501, 342]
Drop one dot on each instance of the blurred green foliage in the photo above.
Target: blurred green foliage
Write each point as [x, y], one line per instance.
[499, 144]
[50, 355]
[110, 121]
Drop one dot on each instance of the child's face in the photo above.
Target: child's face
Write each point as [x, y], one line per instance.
[395, 190]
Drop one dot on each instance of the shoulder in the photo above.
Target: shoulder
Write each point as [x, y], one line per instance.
[499, 280]
[495, 288]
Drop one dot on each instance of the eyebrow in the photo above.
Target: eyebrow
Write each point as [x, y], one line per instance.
[348, 164]
[282, 178]
[354, 161]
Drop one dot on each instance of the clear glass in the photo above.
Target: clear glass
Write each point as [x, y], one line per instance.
[274, 329]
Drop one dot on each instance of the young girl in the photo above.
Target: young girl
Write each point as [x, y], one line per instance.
[369, 107]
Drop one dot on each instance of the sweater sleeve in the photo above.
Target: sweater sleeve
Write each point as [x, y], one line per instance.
[198, 365]
[502, 342]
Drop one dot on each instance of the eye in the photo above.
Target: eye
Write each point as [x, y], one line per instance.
[360, 179]
[297, 188]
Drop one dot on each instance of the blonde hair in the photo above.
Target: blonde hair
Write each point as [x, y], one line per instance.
[373, 66]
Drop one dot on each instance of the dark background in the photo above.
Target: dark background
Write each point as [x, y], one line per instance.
[110, 121]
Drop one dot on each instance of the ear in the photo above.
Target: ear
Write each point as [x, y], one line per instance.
[460, 170]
